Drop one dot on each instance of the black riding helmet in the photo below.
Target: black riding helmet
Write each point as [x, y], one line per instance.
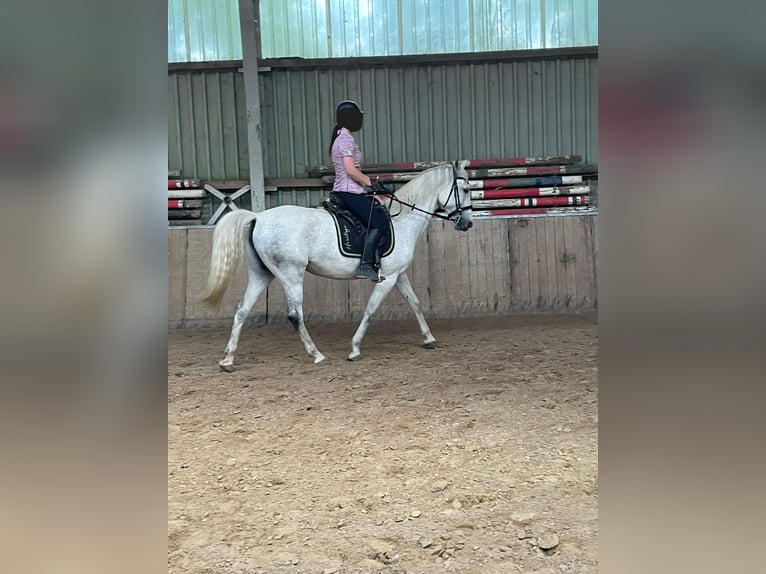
[349, 115]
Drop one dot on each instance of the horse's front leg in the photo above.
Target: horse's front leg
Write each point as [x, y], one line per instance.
[376, 298]
[405, 288]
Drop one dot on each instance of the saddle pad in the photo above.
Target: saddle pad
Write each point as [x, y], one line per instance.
[351, 235]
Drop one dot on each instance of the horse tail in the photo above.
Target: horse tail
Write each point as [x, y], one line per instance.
[227, 252]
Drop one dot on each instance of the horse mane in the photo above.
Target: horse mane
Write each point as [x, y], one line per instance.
[415, 189]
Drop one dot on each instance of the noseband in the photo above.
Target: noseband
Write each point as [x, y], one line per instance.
[459, 209]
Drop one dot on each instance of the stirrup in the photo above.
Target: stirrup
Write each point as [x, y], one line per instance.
[367, 272]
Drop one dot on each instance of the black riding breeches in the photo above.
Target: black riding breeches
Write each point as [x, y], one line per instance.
[362, 207]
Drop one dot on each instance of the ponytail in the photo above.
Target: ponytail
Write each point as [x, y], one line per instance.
[335, 134]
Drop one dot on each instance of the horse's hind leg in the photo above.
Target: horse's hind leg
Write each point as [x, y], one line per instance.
[405, 288]
[258, 279]
[292, 283]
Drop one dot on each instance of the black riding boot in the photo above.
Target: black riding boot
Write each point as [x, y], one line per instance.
[366, 270]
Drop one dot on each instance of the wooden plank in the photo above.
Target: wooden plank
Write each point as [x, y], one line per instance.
[534, 264]
[295, 183]
[266, 64]
[419, 273]
[594, 231]
[520, 270]
[561, 270]
[544, 301]
[438, 265]
[554, 297]
[325, 300]
[481, 247]
[458, 271]
[365, 62]
[358, 294]
[176, 276]
[490, 260]
[176, 214]
[501, 266]
[586, 263]
[228, 183]
[479, 251]
[571, 260]
[383, 177]
[184, 222]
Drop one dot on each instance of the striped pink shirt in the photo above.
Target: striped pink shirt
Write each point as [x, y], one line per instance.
[345, 146]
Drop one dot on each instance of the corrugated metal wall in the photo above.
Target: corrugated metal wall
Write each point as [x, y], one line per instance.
[209, 30]
[413, 113]
[207, 127]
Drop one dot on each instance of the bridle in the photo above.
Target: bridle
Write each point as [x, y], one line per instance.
[459, 207]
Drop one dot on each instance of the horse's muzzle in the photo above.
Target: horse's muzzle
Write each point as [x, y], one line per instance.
[462, 224]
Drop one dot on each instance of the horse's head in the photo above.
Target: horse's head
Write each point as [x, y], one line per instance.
[456, 201]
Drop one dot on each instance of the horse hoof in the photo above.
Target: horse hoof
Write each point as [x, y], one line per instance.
[357, 357]
[319, 358]
[431, 345]
[226, 368]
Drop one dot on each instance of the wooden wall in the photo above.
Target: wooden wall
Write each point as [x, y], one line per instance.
[501, 266]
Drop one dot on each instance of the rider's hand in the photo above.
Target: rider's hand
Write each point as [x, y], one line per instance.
[376, 185]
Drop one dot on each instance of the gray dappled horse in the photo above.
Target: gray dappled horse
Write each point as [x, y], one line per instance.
[288, 240]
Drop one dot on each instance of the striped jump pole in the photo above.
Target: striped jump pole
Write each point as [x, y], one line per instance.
[186, 193]
[184, 203]
[532, 211]
[561, 201]
[528, 192]
[532, 170]
[525, 182]
[183, 183]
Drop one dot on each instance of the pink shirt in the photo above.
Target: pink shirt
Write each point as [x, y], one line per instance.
[345, 146]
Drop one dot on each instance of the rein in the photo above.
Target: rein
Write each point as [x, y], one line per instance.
[459, 209]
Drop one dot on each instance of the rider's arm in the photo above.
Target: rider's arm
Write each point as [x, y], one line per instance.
[354, 173]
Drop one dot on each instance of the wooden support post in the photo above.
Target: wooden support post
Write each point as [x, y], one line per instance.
[249, 26]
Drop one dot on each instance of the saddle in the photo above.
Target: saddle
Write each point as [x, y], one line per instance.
[351, 231]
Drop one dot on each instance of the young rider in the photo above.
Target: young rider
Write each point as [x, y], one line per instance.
[354, 187]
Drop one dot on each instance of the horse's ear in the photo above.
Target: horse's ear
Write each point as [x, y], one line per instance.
[464, 163]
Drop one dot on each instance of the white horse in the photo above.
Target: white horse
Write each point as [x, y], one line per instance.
[288, 240]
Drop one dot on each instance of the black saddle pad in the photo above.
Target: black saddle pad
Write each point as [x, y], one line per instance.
[351, 231]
